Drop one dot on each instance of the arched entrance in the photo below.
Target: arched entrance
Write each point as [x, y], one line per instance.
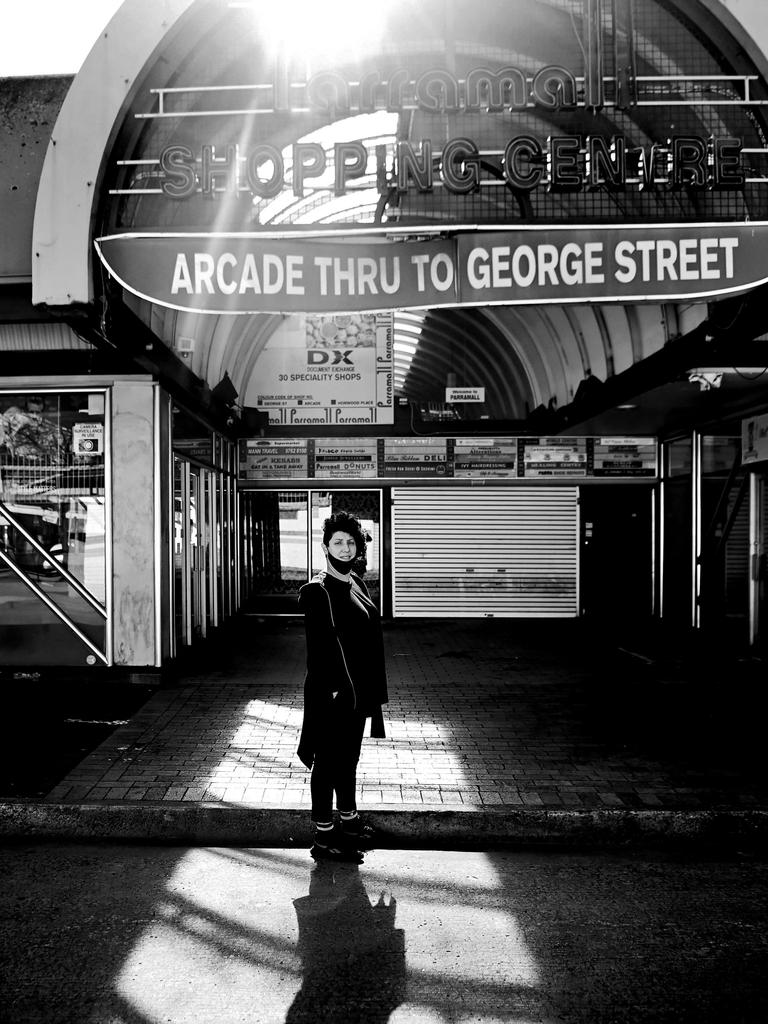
[546, 208]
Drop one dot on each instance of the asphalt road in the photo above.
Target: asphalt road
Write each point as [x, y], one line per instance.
[161, 935]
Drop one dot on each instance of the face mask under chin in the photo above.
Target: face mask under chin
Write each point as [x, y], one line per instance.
[343, 567]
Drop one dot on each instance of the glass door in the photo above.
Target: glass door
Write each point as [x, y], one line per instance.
[281, 540]
[54, 528]
[274, 549]
[212, 549]
[203, 569]
[758, 585]
[198, 544]
[182, 593]
[677, 533]
[366, 506]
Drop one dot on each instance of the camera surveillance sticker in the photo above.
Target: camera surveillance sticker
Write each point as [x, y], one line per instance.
[88, 438]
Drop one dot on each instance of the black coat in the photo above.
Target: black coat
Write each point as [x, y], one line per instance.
[342, 656]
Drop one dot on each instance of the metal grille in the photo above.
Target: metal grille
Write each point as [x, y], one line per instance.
[462, 553]
[49, 479]
[39, 337]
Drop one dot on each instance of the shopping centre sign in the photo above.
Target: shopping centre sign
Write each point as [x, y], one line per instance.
[264, 273]
[563, 163]
[293, 131]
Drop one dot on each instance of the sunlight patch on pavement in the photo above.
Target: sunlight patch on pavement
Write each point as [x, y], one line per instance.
[241, 934]
[222, 935]
[260, 766]
[423, 758]
[418, 763]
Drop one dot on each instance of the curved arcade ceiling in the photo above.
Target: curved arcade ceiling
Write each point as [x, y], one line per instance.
[524, 356]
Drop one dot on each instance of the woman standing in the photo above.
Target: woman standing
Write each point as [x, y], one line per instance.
[346, 684]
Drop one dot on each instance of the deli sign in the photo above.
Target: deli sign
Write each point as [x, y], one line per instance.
[255, 273]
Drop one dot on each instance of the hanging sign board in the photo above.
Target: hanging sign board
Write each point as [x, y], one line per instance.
[195, 448]
[754, 440]
[255, 273]
[327, 369]
[251, 273]
[453, 395]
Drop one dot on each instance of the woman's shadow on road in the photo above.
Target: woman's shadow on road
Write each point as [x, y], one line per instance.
[353, 957]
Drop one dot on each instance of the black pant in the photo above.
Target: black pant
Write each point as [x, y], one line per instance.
[335, 766]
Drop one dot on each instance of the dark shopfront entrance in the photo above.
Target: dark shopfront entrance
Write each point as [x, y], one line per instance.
[589, 554]
[281, 543]
[617, 553]
[547, 294]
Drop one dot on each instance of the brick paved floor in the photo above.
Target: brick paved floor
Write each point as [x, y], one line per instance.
[482, 713]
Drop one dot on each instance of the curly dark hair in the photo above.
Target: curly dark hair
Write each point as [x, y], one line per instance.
[346, 523]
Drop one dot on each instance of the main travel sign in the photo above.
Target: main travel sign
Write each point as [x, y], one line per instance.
[255, 273]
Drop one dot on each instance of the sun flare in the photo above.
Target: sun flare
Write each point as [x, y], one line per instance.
[333, 29]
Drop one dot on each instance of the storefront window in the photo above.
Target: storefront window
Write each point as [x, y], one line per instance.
[53, 527]
[679, 457]
[280, 528]
[719, 455]
[677, 531]
[725, 537]
[365, 506]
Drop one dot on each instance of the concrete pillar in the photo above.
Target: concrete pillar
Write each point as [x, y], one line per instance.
[134, 550]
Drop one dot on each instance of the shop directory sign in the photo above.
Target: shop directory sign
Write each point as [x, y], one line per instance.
[415, 457]
[623, 456]
[274, 460]
[493, 457]
[341, 459]
[561, 457]
[514, 459]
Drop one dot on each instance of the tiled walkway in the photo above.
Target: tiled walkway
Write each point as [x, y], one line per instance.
[482, 713]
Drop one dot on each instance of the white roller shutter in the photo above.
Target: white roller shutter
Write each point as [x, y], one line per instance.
[472, 552]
